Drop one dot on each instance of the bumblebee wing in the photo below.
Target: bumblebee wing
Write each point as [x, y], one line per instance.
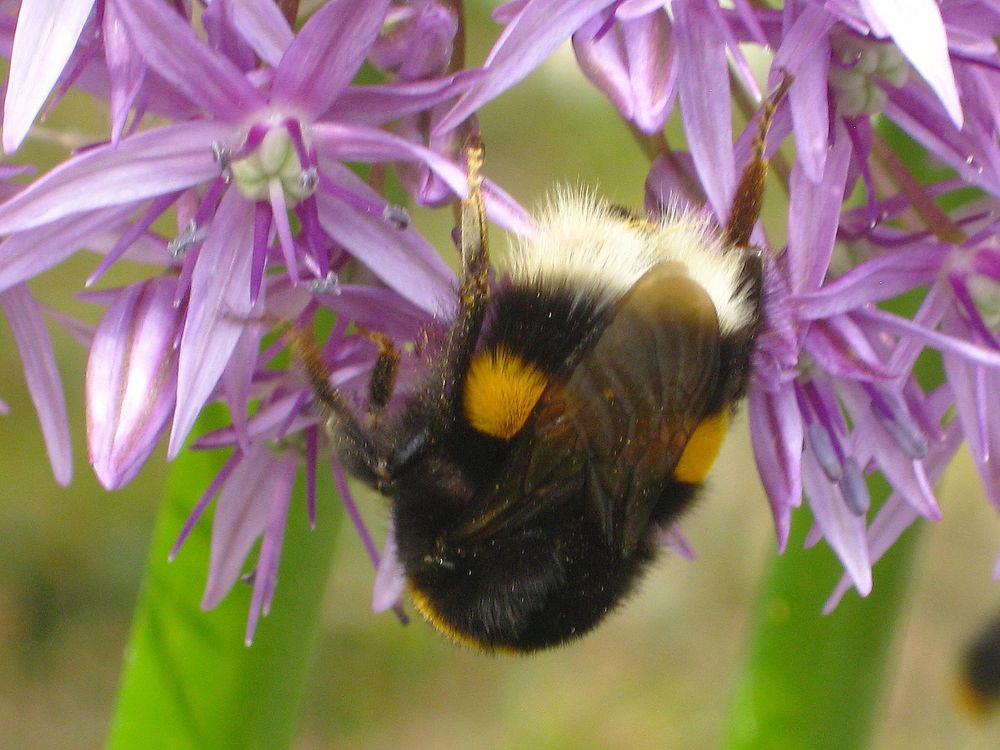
[613, 432]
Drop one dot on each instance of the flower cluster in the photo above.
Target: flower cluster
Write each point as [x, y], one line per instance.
[238, 126]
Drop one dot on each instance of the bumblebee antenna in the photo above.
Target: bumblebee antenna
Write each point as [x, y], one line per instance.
[750, 189]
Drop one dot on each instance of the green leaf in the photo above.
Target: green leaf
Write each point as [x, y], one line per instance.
[188, 679]
[813, 680]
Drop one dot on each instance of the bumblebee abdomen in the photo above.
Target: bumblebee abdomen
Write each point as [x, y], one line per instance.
[527, 589]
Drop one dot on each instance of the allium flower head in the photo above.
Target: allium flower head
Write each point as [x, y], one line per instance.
[238, 131]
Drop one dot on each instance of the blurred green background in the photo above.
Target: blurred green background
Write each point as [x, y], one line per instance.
[659, 674]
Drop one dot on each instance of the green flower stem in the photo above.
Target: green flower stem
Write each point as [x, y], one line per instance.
[188, 680]
[813, 680]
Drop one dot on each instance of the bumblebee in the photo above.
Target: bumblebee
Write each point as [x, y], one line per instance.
[570, 411]
[978, 688]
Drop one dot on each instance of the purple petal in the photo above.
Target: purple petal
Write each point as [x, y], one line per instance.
[776, 426]
[637, 8]
[873, 281]
[966, 382]
[266, 571]
[633, 64]
[389, 579]
[170, 46]
[378, 309]
[326, 53]
[220, 302]
[402, 260]
[271, 421]
[418, 42]
[892, 520]
[24, 316]
[945, 343]
[46, 35]
[534, 34]
[839, 345]
[237, 379]
[28, 253]
[222, 37]
[240, 518]
[897, 515]
[152, 163]
[703, 80]
[263, 27]
[814, 210]
[377, 105]
[917, 28]
[131, 379]
[361, 143]
[917, 111]
[871, 440]
[844, 531]
[126, 70]
[671, 183]
[673, 538]
[805, 53]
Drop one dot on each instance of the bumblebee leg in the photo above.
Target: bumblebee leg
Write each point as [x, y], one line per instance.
[463, 333]
[750, 189]
[383, 380]
[356, 445]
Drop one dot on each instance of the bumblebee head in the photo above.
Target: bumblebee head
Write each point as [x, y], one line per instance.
[521, 590]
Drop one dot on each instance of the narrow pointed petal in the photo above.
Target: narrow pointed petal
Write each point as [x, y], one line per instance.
[263, 27]
[126, 70]
[152, 163]
[132, 379]
[171, 47]
[673, 539]
[534, 34]
[220, 298]
[633, 64]
[893, 518]
[240, 518]
[24, 315]
[871, 440]
[897, 515]
[814, 212]
[389, 579]
[377, 308]
[776, 427]
[703, 82]
[400, 257]
[46, 35]
[326, 53]
[916, 26]
[362, 143]
[841, 347]
[29, 253]
[237, 379]
[947, 344]
[377, 105]
[266, 572]
[843, 531]
[805, 53]
[875, 280]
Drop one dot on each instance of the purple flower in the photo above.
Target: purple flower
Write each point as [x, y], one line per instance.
[835, 397]
[265, 119]
[257, 123]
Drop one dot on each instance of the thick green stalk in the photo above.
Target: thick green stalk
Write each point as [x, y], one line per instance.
[812, 680]
[188, 681]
